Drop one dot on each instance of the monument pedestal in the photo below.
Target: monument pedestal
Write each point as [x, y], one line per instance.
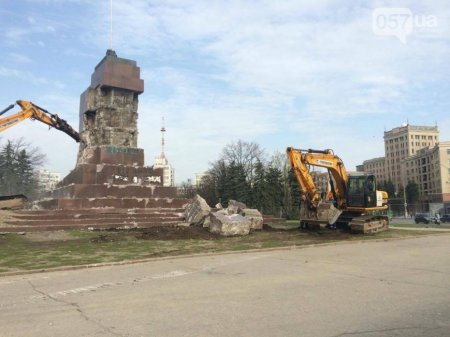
[110, 171]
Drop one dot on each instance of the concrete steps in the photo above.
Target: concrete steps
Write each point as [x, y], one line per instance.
[43, 220]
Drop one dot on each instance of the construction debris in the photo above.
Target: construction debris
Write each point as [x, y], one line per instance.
[197, 211]
[235, 207]
[13, 201]
[229, 225]
[236, 219]
[255, 217]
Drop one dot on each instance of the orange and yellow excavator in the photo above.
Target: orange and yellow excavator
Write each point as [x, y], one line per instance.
[30, 110]
[352, 199]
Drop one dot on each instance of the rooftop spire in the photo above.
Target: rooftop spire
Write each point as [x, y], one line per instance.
[163, 129]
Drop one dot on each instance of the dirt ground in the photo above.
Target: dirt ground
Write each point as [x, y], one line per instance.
[176, 233]
[200, 233]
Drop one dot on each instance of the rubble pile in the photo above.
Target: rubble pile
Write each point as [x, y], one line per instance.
[197, 211]
[236, 219]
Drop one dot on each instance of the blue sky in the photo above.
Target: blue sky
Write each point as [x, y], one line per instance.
[279, 73]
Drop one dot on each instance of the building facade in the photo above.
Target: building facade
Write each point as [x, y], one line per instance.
[198, 178]
[321, 180]
[403, 142]
[376, 166]
[47, 180]
[168, 171]
[430, 169]
[414, 153]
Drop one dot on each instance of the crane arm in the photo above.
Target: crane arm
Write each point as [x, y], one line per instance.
[301, 159]
[30, 110]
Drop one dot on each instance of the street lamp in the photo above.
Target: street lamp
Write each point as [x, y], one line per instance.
[404, 198]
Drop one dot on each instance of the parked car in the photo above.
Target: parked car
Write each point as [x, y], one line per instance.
[426, 218]
[445, 218]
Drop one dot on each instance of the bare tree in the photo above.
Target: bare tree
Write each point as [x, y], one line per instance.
[280, 161]
[243, 153]
[37, 158]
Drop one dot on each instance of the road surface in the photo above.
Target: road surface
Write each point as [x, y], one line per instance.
[394, 288]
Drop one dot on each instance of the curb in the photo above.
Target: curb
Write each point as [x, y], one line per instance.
[247, 251]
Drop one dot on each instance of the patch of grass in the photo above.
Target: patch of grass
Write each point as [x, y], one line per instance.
[34, 251]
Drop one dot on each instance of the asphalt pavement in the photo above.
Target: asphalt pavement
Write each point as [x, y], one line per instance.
[392, 288]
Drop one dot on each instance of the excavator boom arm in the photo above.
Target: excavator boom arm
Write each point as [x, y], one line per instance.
[301, 171]
[30, 110]
[9, 121]
[300, 159]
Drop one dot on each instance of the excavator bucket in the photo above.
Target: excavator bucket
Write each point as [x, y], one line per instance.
[325, 214]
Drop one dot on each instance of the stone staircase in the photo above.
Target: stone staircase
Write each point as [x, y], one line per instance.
[101, 218]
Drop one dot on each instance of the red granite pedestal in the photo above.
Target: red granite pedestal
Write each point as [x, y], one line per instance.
[110, 176]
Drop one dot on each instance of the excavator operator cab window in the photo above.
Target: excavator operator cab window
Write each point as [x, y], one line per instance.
[361, 191]
[371, 183]
[371, 193]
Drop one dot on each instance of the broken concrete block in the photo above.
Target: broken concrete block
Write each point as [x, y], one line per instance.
[235, 207]
[229, 225]
[218, 206]
[255, 217]
[207, 221]
[197, 211]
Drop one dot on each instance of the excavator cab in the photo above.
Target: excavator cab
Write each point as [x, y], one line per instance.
[361, 190]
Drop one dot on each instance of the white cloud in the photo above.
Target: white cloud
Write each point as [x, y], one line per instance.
[288, 66]
[309, 73]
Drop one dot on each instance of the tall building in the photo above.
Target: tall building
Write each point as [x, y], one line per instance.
[430, 169]
[162, 162]
[414, 153]
[47, 180]
[377, 166]
[403, 142]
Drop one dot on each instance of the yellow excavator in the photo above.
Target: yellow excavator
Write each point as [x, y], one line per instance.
[352, 199]
[30, 110]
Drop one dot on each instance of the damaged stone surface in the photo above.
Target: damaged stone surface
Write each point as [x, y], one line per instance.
[229, 225]
[237, 219]
[197, 211]
[109, 109]
[255, 217]
[235, 207]
[110, 169]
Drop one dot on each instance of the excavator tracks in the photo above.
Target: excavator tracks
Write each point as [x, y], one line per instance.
[369, 224]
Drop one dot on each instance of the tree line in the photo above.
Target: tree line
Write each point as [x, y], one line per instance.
[18, 162]
[244, 172]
